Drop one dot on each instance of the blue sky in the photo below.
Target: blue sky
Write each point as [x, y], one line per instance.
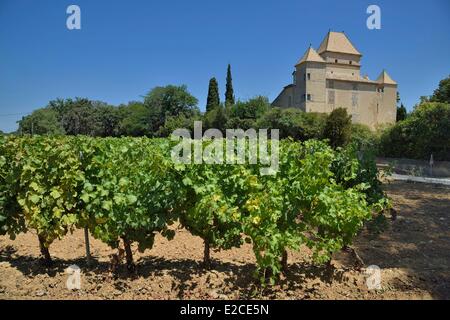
[125, 48]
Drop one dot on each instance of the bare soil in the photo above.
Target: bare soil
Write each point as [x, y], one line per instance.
[412, 251]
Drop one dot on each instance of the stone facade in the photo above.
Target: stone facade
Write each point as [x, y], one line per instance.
[330, 78]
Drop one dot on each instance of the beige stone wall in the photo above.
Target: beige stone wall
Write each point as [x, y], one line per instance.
[313, 85]
[343, 66]
[363, 101]
[284, 98]
[342, 58]
[387, 113]
[300, 88]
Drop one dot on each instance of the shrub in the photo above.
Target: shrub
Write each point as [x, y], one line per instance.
[338, 128]
[426, 131]
[293, 123]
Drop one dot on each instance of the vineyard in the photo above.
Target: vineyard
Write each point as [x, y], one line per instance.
[126, 191]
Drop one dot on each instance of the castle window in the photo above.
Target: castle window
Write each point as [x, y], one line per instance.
[350, 62]
[309, 76]
[308, 97]
[331, 84]
[354, 99]
[335, 60]
[331, 97]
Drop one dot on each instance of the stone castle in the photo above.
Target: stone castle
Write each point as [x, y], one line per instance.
[330, 78]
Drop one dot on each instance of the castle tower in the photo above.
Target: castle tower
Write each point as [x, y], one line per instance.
[310, 80]
[387, 95]
[341, 56]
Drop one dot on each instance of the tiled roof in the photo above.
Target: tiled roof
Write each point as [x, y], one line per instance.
[337, 42]
[311, 56]
[385, 78]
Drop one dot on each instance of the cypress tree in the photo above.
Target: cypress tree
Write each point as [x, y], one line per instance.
[229, 94]
[402, 114]
[213, 99]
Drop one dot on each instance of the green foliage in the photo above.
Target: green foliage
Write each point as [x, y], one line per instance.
[107, 120]
[213, 100]
[216, 119]
[12, 222]
[130, 189]
[251, 109]
[82, 116]
[426, 131]
[442, 93]
[355, 165]
[135, 120]
[167, 102]
[178, 122]
[171, 101]
[41, 121]
[51, 178]
[293, 123]
[213, 199]
[363, 137]
[303, 203]
[338, 128]
[229, 93]
[401, 113]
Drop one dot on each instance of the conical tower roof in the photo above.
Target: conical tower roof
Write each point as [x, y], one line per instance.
[310, 55]
[385, 78]
[337, 42]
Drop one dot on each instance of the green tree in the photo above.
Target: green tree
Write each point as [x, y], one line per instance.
[217, 119]
[244, 114]
[229, 94]
[213, 99]
[293, 123]
[178, 122]
[41, 121]
[442, 93]
[135, 120]
[363, 137]
[338, 128]
[108, 121]
[80, 118]
[401, 113]
[168, 101]
[426, 131]
[171, 100]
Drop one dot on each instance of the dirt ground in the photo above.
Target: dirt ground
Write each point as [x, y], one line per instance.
[413, 253]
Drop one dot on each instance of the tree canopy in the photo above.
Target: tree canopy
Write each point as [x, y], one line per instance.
[442, 93]
[338, 128]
